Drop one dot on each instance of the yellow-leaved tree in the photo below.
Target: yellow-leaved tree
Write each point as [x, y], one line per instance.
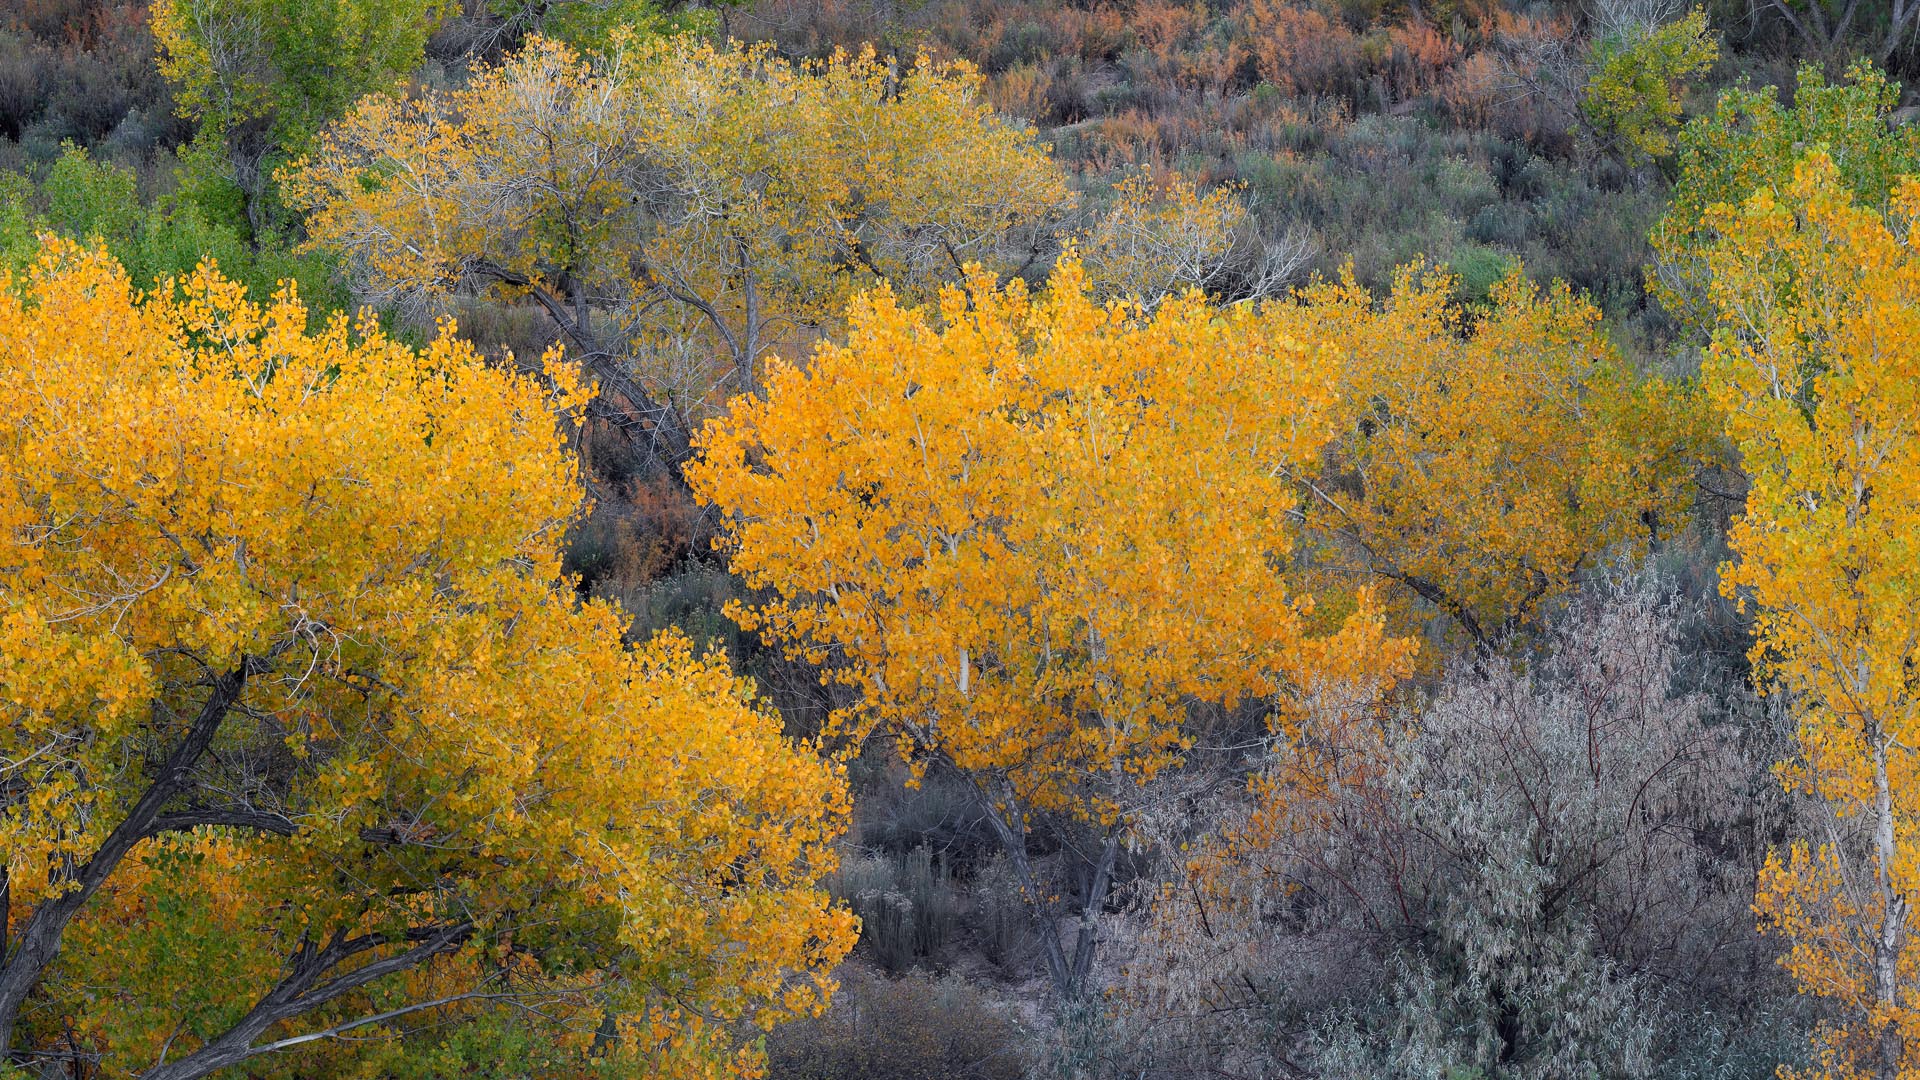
[1031, 531]
[1485, 457]
[306, 741]
[1752, 140]
[1154, 241]
[1640, 71]
[678, 210]
[1815, 369]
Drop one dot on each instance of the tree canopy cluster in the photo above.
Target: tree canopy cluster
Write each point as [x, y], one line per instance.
[1313, 659]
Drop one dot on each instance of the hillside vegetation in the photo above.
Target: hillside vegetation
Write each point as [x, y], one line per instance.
[835, 539]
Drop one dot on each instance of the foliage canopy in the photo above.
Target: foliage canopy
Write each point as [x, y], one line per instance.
[305, 735]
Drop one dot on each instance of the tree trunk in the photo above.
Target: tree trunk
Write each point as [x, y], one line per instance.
[1069, 971]
[1893, 923]
[1089, 936]
[39, 939]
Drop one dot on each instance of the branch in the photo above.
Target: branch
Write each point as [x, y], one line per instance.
[233, 816]
[40, 939]
[1427, 590]
[672, 441]
[297, 994]
[376, 1018]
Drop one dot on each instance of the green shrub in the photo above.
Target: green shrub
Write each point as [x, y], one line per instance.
[88, 198]
[1479, 269]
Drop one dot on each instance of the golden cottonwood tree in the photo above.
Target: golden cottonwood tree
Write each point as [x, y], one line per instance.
[1030, 531]
[1816, 371]
[1486, 457]
[677, 209]
[304, 734]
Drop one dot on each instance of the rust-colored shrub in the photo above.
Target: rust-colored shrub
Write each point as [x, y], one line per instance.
[1301, 50]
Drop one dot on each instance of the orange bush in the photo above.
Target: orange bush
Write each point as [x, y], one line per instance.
[1164, 27]
[1299, 49]
[1021, 90]
[1418, 57]
[1472, 89]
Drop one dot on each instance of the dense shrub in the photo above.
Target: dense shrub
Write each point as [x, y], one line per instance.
[82, 70]
[908, 905]
[916, 1028]
[1547, 875]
